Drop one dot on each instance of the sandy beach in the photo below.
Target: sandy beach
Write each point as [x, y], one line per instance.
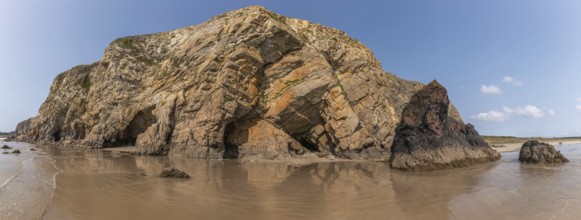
[510, 145]
[54, 183]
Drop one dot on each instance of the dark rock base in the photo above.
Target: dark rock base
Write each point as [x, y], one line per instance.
[444, 158]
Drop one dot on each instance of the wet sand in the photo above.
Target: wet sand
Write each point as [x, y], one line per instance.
[27, 183]
[105, 185]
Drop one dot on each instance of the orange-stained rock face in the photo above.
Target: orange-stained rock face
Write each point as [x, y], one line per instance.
[246, 84]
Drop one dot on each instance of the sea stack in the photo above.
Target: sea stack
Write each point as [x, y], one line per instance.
[537, 152]
[429, 139]
[248, 84]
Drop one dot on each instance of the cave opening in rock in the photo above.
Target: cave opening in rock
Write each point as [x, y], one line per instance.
[57, 135]
[230, 148]
[139, 124]
[308, 145]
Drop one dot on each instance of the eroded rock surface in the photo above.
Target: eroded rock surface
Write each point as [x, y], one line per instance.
[429, 139]
[245, 84]
[173, 173]
[534, 151]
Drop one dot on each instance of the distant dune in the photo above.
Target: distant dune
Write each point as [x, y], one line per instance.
[6, 134]
[510, 143]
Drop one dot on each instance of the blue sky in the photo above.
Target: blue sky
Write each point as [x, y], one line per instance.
[511, 67]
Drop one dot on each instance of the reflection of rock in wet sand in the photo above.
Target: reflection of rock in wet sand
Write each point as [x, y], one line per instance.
[207, 172]
[151, 165]
[98, 186]
[267, 175]
[426, 195]
[94, 161]
[523, 192]
[323, 190]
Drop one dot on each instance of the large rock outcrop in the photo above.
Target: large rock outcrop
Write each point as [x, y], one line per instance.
[245, 84]
[534, 151]
[429, 139]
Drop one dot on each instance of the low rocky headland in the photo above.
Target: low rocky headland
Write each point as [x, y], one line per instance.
[250, 85]
[6, 134]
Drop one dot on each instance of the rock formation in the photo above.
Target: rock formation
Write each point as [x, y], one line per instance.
[173, 173]
[429, 139]
[245, 84]
[533, 151]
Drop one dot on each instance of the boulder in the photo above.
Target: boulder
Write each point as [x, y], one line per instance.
[6, 147]
[429, 139]
[173, 173]
[16, 151]
[537, 152]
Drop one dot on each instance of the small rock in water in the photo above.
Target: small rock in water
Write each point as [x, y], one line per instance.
[537, 152]
[6, 147]
[143, 174]
[173, 173]
[16, 151]
[5, 152]
[32, 149]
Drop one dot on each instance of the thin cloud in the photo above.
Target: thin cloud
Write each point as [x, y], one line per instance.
[492, 89]
[578, 107]
[529, 111]
[507, 110]
[512, 81]
[507, 79]
[492, 116]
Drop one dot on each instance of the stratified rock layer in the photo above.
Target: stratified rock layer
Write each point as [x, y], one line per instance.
[533, 151]
[429, 139]
[247, 84]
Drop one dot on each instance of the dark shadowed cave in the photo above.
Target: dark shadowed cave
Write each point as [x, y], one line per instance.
[57, 135]
[230, 148]
[139, 124]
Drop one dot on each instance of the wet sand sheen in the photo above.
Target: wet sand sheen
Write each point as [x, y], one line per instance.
[98, 185]
[27, 183]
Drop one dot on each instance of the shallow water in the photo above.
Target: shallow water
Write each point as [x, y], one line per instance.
[98, 185]
[27, 183]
